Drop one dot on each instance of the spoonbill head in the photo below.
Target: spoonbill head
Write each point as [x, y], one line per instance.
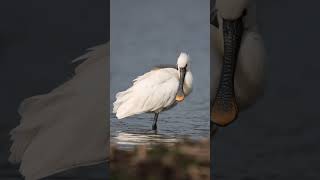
[237, 59]
[182, 65]
[157, 90]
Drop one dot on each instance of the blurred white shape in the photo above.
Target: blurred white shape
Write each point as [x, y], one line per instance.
[67, 127]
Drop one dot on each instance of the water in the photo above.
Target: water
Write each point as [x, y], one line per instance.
[144, 37]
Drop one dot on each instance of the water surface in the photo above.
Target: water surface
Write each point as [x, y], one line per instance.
[150, 33]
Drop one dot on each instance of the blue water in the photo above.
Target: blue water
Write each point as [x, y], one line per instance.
[148, 33]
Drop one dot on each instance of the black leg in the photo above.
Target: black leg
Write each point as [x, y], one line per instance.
[154, 126]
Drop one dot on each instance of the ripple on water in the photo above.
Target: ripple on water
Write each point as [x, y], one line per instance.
[128, 133]
[129, 140]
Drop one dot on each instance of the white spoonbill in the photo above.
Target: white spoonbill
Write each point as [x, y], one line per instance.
[237, 59]
[67, 127]
[157, 90]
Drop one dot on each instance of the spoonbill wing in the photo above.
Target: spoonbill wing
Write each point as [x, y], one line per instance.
[151, 92]
[161, 66]
[65, 128]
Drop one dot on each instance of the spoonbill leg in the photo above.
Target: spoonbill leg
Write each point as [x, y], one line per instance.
[154, 126]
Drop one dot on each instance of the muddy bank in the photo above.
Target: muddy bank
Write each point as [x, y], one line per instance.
[187, 160]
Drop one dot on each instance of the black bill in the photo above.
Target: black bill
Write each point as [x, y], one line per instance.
[225, 108]
[180, 94]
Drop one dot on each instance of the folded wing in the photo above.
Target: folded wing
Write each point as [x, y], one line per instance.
[151, 92]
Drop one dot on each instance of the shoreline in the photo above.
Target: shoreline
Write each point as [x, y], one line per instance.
[185, 160]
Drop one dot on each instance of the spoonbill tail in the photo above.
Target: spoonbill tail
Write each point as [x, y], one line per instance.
[157, 90]
[237, 59]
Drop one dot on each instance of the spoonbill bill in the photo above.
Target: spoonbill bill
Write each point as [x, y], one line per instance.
[237, 56]
[157, 90]
[67, 127]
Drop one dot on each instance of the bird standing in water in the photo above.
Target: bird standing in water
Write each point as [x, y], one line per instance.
[155, 91]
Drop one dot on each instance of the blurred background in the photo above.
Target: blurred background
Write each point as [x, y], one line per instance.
[38, 41]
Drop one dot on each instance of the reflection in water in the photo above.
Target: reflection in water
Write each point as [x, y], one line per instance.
[136, 130]
[128, 140]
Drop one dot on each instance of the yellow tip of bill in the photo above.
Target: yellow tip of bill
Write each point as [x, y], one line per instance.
[179, 98]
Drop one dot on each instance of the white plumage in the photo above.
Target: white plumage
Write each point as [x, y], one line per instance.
[231, 9]
[67, 127]
[154, 91]
[149, 92]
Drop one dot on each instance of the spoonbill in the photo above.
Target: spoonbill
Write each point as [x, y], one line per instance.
[157, 90]
[237, 56]
[67, 127]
